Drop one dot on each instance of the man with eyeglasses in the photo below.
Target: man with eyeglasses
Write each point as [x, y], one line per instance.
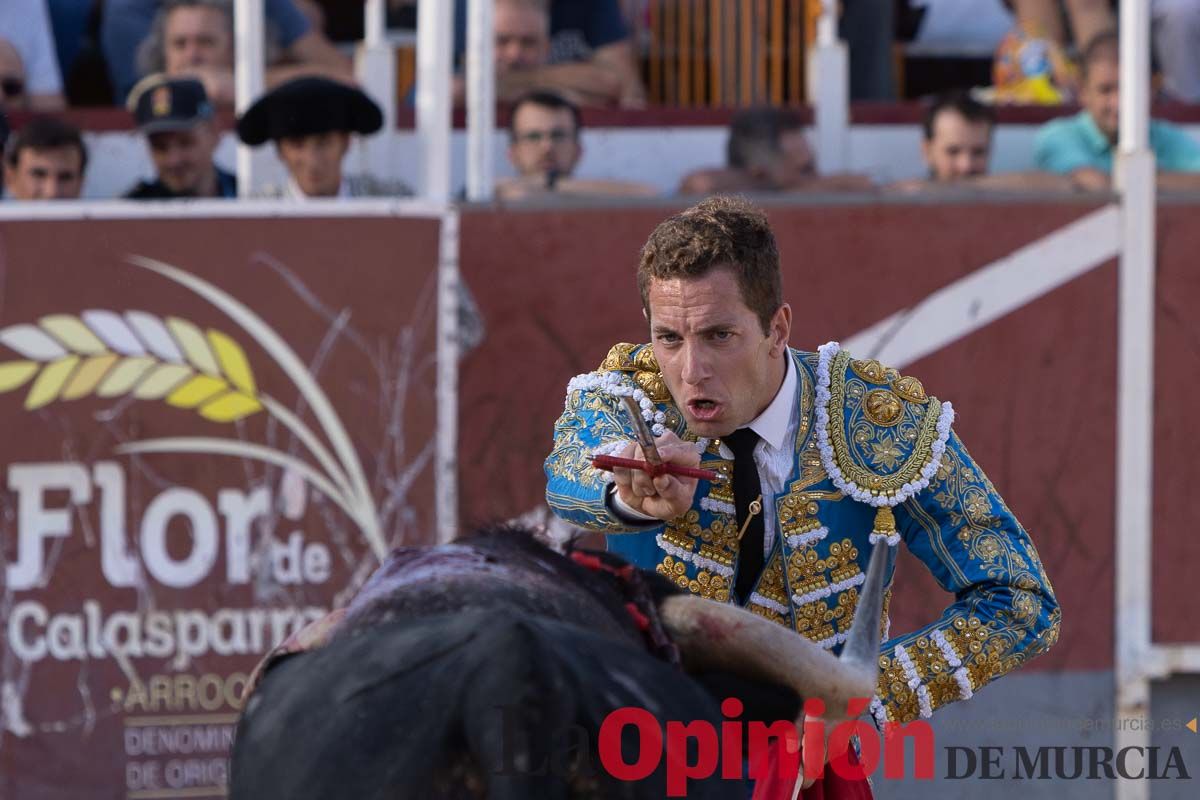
[544, 149]
[176, 118]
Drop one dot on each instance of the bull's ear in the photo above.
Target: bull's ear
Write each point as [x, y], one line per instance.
[862, 643]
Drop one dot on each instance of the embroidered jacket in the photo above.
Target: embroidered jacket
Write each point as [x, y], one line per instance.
[875, 461]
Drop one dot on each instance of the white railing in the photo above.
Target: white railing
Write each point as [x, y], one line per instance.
[249, 77]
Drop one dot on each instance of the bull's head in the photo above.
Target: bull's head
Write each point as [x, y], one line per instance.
[401, 700]
[719, 636]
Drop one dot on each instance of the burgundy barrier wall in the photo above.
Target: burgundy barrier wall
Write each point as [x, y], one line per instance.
[140, 589]
[1034, 391]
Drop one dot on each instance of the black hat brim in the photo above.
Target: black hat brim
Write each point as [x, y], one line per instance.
[309, 106]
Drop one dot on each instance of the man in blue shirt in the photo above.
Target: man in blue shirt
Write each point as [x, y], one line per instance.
[129, 27]
[1082, 146]
[580, 49]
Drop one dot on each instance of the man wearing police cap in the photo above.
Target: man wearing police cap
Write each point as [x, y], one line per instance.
[311, 120]
[176, 117]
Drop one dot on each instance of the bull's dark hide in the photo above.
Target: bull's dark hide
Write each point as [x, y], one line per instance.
[405, 701]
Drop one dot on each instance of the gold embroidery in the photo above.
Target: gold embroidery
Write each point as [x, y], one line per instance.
[806, 401]
[881, 485]
[645, 360]
[883, 408]
[721, 491]
[618, 357]
[642, 363]
[796, 511]
[910, 389]
[808, 575]
[885, 522]
[812, 471]
[869, 370]
[713, 587]
[653, 385]
[770, 584]
[977, 647]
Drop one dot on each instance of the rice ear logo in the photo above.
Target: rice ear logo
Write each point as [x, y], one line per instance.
[107, 354]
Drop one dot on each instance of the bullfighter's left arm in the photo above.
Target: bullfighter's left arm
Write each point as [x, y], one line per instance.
[889, 445]
[1004, 612]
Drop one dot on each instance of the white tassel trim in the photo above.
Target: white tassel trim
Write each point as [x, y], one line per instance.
[830, 642]
[947, 649]
[955, 663]
[825, 591]
[611, 448]
[850, 488]
[805, 539]
[914, 681]
[694, 558]
[617, 385]
[717, 506]
[964, 683]
[766, 602]
[892, 539]
[878, 712]
[926, 706]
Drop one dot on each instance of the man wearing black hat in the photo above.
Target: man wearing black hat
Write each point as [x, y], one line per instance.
[311, 120]
[177, 119]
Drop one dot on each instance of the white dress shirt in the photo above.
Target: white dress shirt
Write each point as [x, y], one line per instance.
[773, 455]
[292, 190]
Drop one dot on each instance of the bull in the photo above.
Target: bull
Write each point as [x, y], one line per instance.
[487, 667]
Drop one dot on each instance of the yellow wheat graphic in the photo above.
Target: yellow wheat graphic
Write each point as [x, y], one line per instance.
[107, 354]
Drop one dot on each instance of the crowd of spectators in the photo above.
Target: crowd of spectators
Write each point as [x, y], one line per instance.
[170, 62]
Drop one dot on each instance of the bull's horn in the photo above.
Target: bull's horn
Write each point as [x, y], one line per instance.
[862, 642]
[722, 636]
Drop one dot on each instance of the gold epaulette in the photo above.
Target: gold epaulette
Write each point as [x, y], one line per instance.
[639, 360]
[885, 435]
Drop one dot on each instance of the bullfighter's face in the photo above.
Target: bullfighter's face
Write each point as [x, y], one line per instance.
[719, 365]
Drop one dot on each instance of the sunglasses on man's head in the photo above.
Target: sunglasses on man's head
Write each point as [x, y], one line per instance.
[12, 87]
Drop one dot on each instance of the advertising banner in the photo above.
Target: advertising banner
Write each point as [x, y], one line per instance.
[210, 432]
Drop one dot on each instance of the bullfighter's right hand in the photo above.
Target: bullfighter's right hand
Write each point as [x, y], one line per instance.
[667, 496]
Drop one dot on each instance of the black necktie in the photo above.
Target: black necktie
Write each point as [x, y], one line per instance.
[747, 489]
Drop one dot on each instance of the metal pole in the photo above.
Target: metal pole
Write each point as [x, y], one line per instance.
[827, 24]
[481, 101]
[448, 352]
[1135, 177]
[435, 37]
[249, 71]
[829, 92]
[374, 22]
[1135, 77]
[376, 70]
